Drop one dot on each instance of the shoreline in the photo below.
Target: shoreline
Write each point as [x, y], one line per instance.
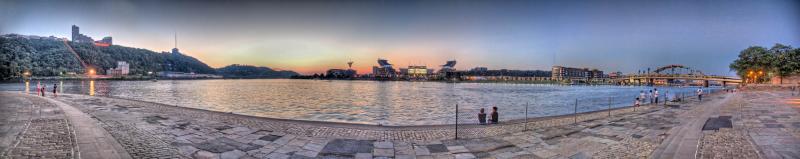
[149, 129]
[389, 127]
[508, 126]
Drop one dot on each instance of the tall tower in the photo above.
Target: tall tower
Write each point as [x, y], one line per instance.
[175, 50]
[75, 33]
[350, 64]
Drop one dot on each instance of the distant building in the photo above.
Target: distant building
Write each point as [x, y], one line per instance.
[384, 70]
[480, 69]
[182, 75]
[122, 69]
[341, 73]
[449, 66]
[417, 71]
[78, 37]
[561, 73]
[106, 40]
[614, 75]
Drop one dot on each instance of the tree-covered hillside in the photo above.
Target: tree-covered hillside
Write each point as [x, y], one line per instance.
[246, 71]
[50, 57]
[42, 57]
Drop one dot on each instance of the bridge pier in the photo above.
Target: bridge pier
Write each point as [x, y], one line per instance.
[705, 83]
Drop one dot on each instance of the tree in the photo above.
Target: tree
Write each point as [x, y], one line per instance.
[781, 60]
[782, 64]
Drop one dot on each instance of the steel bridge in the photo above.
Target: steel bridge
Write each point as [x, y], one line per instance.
[661, 77]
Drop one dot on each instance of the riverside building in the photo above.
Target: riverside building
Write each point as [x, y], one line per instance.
[561, 73]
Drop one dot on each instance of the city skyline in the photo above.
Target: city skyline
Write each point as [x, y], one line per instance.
[313, 36]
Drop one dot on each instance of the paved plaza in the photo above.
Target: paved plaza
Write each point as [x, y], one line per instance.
[749, 124]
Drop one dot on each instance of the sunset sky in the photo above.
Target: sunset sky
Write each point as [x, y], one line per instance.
[312, 36]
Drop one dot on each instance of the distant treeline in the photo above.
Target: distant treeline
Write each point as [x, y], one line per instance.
[247, 71]
[50, 57]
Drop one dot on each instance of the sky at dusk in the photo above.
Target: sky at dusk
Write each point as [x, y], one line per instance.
[313, 36]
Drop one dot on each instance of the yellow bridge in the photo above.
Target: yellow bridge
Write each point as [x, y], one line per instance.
[660, 77]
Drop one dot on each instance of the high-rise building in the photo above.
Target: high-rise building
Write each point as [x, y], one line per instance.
[78, 37]
[75, 32]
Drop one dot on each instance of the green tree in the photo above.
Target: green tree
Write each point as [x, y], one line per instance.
[780, 60]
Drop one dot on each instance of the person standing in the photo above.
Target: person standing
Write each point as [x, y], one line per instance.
[495, 116]
[655, 95]
[641, 95]
[55, 87]
[650, 96]
[38, 88]
[700, 94]
[44, 89]
[482, 117]
[637, 102]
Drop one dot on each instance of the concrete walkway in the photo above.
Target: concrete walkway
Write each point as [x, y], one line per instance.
[683, 140]
[119, 128]
[93, 141]
[53, 129]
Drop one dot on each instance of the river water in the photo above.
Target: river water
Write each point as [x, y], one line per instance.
[365, 102]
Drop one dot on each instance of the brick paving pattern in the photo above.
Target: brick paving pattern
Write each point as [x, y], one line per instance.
[205, 134]
[760, 129]
[763, 126]
[46, 135]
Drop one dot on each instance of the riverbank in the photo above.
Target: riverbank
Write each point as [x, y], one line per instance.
[150, 129]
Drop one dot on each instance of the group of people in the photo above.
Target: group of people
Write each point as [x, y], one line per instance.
[41, 89]
[652, 96]
[495, 117]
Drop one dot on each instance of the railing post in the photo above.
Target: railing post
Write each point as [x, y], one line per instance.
[576, 111]
[609, 106]
[526, 116]
[456, 121]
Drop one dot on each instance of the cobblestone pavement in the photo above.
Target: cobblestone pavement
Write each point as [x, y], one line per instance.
[34, 128]
[765, 123]
[151, 130]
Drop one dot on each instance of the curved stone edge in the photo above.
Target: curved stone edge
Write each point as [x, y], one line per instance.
[375, 132]
[93, 141]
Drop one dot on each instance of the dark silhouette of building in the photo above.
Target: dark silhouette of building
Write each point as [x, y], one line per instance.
[385, 70]
[78, 37]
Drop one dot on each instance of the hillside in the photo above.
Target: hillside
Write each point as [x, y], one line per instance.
[47, 56]
[246, 71]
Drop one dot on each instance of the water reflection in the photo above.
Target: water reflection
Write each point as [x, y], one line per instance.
[91, 88]
[371, 102]
[27, 87]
